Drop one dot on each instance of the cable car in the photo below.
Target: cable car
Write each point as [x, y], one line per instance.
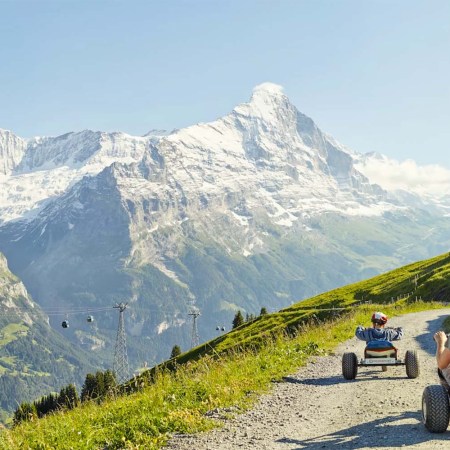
[90, 318]
[65, 324]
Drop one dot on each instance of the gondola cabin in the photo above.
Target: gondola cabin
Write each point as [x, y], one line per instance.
[65, 324]
[90, 319]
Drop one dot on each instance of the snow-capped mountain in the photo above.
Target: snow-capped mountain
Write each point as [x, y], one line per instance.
[257, 208]
[267, 136]
[46, 167]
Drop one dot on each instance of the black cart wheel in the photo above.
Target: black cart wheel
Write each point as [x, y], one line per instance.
[435, 408]
[412, 364]
[349, 366]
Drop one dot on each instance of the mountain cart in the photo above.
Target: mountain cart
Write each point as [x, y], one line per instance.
[381, 354]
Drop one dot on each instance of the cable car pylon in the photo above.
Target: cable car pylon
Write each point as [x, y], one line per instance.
[195, 339]
[120, 367]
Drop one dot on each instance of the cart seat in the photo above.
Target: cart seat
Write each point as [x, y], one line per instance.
[380, 349]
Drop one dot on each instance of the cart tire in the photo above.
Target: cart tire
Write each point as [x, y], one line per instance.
[435, 408]
[412, 364]
[349, 366]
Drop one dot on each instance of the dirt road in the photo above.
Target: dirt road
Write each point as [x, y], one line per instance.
[316, 408]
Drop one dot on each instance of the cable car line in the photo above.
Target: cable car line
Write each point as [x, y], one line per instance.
[59, 311]
[64, 312]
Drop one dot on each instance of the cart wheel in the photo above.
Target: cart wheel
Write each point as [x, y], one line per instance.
[349, 366]
[412, 364]
[435, 408]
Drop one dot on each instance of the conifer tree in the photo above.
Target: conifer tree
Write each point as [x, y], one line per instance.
[68, 397]
[176, 350]
[238, 319]
[46, 404]
[100, 384]
[89, 388]
[26, 412]
[109, 381]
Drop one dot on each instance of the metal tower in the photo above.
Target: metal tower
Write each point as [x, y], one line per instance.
[195, 339]
[120, 368]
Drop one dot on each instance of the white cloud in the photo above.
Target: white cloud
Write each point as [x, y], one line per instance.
[407, 175]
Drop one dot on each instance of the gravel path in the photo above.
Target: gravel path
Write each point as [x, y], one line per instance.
[316, 408]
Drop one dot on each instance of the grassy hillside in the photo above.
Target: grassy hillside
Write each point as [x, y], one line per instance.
[425, 280]
[228, 373]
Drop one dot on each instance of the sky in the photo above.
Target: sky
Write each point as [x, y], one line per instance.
[374, 74]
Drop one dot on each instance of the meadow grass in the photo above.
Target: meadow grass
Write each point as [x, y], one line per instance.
[178, 401]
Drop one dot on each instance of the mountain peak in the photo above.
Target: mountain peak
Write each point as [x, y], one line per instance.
[268, 96]
[267, 100]
[268, 89]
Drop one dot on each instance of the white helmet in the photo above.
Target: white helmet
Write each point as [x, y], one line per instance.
[379, 317]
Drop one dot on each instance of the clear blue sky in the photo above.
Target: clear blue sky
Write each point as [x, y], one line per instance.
[375, 74]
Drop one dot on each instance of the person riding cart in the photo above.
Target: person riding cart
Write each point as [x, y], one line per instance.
[378, 332]
[379, 350]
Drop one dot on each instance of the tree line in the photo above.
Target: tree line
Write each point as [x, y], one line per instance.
[96, 387]
[239, 318]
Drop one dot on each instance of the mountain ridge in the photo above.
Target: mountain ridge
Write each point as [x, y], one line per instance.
[88, 152]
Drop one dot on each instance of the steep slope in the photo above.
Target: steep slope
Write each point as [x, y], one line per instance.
[426, 280]
[34, 359]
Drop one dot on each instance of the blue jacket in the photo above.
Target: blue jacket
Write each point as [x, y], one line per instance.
[378, 334]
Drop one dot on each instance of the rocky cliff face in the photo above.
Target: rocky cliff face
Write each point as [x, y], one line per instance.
[258, 208]
[14, 296]
[34, 359]
[77, 149]
[12, 149]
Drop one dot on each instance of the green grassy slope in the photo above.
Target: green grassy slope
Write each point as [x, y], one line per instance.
[427, 280]
[232, 370]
